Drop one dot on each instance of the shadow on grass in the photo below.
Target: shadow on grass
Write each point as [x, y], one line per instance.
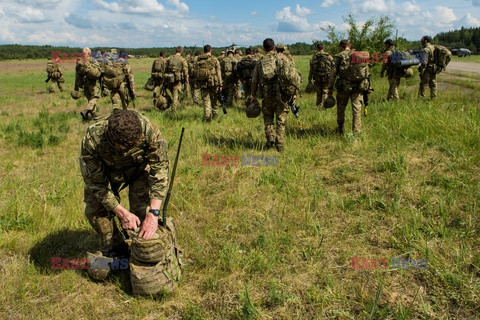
[67, 244]
[296, 131]
[234, 143]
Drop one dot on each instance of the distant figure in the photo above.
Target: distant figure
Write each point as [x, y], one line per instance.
[394, 74]
[176, 74]
[208, 77]
[54, 74]
[158, 71]
[320, 69]
[118, 79]
[87, 73]
[428, 72]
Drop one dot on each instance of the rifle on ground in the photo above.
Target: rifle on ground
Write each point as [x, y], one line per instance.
[131, 92]
[223, 100]
[170, 185]
[48, 79]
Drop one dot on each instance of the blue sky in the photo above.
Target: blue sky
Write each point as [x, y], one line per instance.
[158, 23]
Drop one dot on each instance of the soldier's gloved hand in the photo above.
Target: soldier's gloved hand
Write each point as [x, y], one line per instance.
[129, 220]
[149, 226]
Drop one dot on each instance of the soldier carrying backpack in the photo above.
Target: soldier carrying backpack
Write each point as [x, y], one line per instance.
[54, 74]
[176, 74]
[437, 60]
[320, 69]
[245, 71]
[351, 69]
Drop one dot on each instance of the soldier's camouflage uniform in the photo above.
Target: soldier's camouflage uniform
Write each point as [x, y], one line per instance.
[247, 81]
[158, 70]
[177, 66]
[320, 82]
[274, 103]
[105, 170]
[56, 76]
[229, 79]
[428, 74]
[238, 83]
[195, 91]
[393, 74]
[87, 73]
[346, 90]
[209, 89]
[119, 93]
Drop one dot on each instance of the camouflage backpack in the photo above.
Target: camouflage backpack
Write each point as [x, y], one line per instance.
[174, 66]
[320, 65]
[442, 57]
[114, 75]
[354, 65]
[158, 68]
[227, 65]
[89, 70]
[268, 68]
[289, 78]
[204, 71]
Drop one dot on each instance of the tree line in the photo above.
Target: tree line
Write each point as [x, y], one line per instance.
[464, 38]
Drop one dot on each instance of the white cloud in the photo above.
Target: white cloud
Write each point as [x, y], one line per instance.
[28, 15]
[292, 22]
[302, 11]
[467, 21]
[181, 6]
[376, 6]
[323, 25]
[253, 13]
[148, 7]
[329, 3]
[444, 14]
[77, 20]
[41, 3]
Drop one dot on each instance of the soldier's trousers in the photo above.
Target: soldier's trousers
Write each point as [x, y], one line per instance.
[321, 87]
[118, 96]
[229, 87]
[92, 93]
[430, 79]
[394, 82]
[59, 82]
[175, 90]
[209, 98]
[275, 108]
[342, 101]
[247, 88]
[103, 221]
[156, 90]
[195, 91]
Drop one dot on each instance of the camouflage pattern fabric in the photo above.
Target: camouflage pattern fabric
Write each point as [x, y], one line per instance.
[320, 69]
[394, 75]
[86, 76]
[144, 169]
[208, 75]
[228, 66]
[177, 66]
[56, 76]
[428, 73]
[163, 268]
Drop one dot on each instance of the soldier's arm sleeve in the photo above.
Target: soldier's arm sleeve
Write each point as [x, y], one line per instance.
[95, 175]
[333, 73]
[185, 70]
[385, 64]
[310, 74]
[157, 158]
[219, 72]
[255, 80]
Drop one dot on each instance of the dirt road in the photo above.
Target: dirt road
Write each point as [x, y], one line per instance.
[465, 67]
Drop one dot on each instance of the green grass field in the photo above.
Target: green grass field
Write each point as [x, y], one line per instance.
[259, 242]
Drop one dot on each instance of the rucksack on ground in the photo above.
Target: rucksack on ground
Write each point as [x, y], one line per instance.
[321, 65]
[354, 66]
[442, 57]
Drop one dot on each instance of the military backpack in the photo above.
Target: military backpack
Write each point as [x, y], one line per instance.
[245, 68]
[175, 67]
[442, 57]
[321, 65]
[158, 68]
[354, 65]
[204, 71]
[228, 66]
[289, 78]
[114, 75]
[52, 70]
[268, 68]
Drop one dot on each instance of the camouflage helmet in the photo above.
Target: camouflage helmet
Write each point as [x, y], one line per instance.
[408, 72]
[253, 109]
[75, 95]
[310, 88]
[329, 102]
[161, 103]
[95, 270]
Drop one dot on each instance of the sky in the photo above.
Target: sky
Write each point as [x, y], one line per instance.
[168, 23]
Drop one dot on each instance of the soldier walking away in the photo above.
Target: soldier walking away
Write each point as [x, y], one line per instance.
[208, 77]
[394, 73]
[118, 79]
[228, 66]
[126, 149]
[193, 84]
[320, 69]
[54, 74]
[158, 71]
[428, 69]
[244, 72]
[352, 82]
[87, 73]
[276, 97]
[176, 75]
